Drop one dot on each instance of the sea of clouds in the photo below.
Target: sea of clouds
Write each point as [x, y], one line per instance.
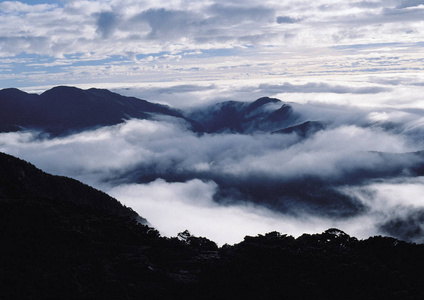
[357, 175]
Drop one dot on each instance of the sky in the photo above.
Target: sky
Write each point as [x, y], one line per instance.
[130, 43]
[352, 63]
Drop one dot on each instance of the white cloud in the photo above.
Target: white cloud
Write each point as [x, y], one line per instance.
[175, 207]
[16, 7]
[293, 37]
[112, 158]
[396, 207]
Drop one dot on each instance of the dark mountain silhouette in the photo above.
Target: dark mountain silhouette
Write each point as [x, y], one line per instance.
[264, 114]
[57, 246]
[61, 239]
[22, 181]
[64, 110]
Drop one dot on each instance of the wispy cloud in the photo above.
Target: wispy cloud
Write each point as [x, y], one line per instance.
[255, 31]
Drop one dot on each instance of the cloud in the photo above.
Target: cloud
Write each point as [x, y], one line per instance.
[106, 22]
[313, 87]
[167, 24]
[396, 206]
[368, 4]
[236, 14]
[321, 54]
[287, 20]
[128, 32]
[409, 3]
[172, 22]
[174, 207]
[16, 7]
[180, 180]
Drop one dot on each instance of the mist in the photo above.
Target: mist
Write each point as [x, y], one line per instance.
[362, 174]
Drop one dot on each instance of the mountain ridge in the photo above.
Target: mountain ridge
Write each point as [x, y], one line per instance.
[264, 114]
[22, 180]
[64, 110]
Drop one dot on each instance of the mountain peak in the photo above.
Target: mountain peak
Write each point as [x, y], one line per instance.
[261, 102]
[265, 114]
[62, 88]
[63, 93]
[265, 100]
[65, 109]
[12, 93]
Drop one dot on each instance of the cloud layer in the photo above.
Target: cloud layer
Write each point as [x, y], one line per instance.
[356, 175]
[108, 41]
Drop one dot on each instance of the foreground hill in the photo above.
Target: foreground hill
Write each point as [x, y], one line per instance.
[63, 110]
[57, 246]
[64, 240]
[21, 181]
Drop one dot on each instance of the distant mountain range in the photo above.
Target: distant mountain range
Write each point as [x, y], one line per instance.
[65, 110]
[61, 239]
[264, 114]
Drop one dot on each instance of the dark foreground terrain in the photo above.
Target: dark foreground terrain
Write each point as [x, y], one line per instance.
[61, 239]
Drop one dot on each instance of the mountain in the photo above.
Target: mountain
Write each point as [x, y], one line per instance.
[304, 130]
[62, 110]
[58, 244]
[65, 110]
[21, 181]
[264, 114]
[64, 240]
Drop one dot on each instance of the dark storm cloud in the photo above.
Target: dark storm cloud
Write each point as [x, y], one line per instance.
[174, 24]
[410, 3]
[287, 20]
[165, 23]
[106, 22]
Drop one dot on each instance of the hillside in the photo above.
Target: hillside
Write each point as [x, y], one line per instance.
[65, 110]
[64, 240]
[60, 247]
[21, 181]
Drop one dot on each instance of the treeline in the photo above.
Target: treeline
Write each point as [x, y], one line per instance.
[56, 243]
